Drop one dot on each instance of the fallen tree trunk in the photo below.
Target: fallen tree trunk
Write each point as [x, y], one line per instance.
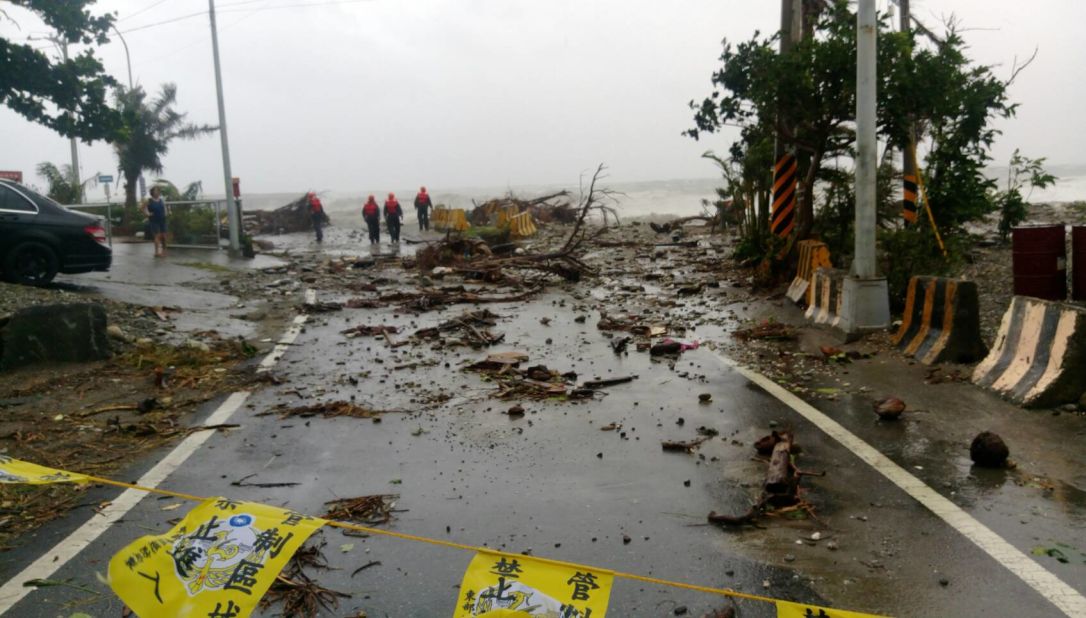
[781, 487]
[781, 481]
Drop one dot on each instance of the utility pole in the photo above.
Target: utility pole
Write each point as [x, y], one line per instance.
[864, 298]
[233, 216]
[127, 57]
[74, 143]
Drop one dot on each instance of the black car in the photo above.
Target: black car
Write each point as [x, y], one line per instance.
[39, 238]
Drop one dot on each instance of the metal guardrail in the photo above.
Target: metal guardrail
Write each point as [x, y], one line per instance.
[195, 224]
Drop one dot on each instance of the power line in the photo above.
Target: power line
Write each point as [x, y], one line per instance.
[226, 9]
[141, 11]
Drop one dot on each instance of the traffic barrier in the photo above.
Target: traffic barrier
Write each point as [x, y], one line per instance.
[522, 226]
[450, 219]
[1039, 356]
[825, 307]
[813, 254]
[438, 218]
[941, 322]
[505, 214]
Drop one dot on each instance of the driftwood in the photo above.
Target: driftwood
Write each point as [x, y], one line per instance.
[674, 224]
[781, 487]
[471, 326]
[468, 255]
[608, 382]
[294, 217]
[545, 209]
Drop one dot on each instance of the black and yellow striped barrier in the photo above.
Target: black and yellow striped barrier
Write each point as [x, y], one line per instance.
[522, 225]
[782, 217]
[813, 254]
[1039, 356]
[941, 322]
[825, 307]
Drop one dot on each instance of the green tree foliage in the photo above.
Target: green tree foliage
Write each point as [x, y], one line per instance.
[1013, 206]
[806, 97]
[66, 96]
[171, 193]
[148, 127]
[61, 186]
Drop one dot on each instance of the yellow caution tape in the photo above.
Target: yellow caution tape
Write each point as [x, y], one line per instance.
[15, 471]
[725, 592]
[786, 609]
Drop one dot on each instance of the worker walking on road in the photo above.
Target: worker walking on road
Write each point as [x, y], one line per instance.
[393, 217]
[422, 207]
[371, 214]
[316, 213]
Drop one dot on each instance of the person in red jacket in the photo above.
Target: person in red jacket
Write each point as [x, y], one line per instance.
[393, 217]
[316, 213]
[422, 207]
[371, 214]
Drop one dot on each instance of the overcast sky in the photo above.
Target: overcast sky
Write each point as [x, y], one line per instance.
[451, 93]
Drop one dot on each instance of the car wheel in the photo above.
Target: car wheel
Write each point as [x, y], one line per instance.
[31, 263]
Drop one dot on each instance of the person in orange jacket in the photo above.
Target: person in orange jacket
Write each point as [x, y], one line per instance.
[371, 214]
[393, 217]
[316, 213]
[422, 207]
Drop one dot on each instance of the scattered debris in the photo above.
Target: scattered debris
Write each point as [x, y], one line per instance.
[368, 510]
[767, 330]
[331, 409]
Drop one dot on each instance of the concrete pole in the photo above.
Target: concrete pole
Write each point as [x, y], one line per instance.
[232, 214]
[865, 303]
[863, 264]
[74, 143]
[127, 57]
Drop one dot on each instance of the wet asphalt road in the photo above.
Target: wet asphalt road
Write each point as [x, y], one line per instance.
[552, 483]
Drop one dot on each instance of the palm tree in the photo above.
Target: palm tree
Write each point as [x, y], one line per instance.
[62, 187]
[171, 193]
[148, 127]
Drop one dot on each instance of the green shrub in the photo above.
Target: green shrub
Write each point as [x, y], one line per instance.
[192, 226]
[914, 251]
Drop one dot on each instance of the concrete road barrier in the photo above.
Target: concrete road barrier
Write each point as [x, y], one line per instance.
[522, 226]
[941, 322]
[506, 213]
[450, 219]
[439, 217]
[825, 307]
[813, 254]
[60, 333]
[1039, 356]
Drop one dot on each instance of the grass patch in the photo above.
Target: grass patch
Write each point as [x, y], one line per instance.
[208, 266]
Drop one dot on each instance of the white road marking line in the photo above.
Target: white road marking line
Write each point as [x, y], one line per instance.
[1052, 588]
[50, 562]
